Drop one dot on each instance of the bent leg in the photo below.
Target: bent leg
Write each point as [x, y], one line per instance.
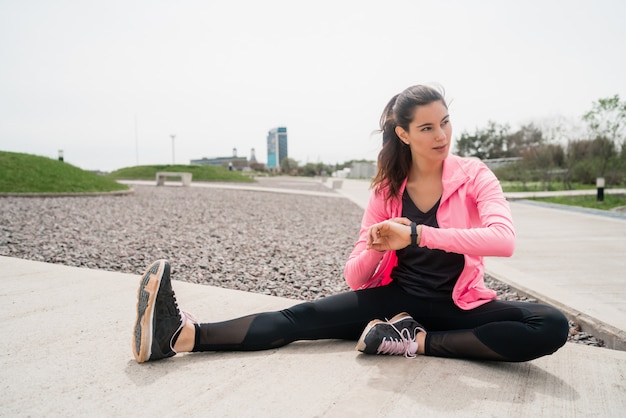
[499, 330]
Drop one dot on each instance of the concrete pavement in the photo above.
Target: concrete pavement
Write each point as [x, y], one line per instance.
[67, 332]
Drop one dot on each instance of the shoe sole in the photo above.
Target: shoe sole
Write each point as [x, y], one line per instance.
[361, 346]
[146, 296]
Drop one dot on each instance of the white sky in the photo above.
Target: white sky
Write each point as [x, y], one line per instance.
[109, 81]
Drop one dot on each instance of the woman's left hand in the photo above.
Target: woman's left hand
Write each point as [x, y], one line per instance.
[393, 234]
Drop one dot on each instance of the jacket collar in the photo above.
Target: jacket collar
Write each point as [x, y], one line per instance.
[453, 176]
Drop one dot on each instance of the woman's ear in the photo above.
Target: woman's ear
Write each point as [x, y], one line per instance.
[402, 134]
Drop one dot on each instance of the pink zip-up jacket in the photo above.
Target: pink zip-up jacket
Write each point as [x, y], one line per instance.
[474, 220]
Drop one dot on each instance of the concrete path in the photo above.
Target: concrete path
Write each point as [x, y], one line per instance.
[67, 335]
[66, 352]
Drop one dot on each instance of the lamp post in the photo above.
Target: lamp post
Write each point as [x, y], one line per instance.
[173, 158]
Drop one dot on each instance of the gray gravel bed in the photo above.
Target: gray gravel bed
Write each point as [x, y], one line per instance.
[284, 245]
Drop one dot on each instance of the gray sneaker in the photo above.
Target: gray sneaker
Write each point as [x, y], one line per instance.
[159, 321]
[395, 336]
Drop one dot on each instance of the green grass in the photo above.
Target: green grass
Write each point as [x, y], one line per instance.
[25, 173]
[610, 201]
[199, 173]
[537, 186]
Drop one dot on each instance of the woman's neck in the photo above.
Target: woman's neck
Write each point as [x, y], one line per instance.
[424, 170]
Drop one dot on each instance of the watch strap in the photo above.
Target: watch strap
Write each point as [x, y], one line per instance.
[413, 234]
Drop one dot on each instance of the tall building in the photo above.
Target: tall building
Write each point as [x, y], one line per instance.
[276, 147]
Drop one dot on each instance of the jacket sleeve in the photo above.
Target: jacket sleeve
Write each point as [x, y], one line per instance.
[491, 232]
[362, 263]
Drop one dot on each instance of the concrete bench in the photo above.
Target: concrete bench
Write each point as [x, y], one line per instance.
[162, 175]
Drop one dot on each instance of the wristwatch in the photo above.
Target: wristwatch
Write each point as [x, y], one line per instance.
[413, 234]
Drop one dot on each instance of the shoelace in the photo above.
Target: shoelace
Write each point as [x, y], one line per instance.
[405, 345]
[186, 316]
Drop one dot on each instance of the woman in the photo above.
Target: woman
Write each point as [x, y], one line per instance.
[430, 220]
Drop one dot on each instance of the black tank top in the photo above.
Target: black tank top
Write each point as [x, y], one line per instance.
[421, 271]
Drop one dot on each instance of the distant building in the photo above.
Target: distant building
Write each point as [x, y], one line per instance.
[359, 170]
[232, 162]
[364, 170]
[276, 147]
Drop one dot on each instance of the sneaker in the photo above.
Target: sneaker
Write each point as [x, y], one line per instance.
[395, 336]
[159, 321]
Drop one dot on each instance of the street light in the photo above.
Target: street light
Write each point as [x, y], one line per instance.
[173, 158]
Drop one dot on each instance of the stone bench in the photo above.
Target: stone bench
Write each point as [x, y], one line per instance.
[162, 175]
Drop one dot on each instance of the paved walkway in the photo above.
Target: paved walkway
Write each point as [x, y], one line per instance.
[67, 331]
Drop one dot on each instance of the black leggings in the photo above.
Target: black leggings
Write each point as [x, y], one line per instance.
[497, 330]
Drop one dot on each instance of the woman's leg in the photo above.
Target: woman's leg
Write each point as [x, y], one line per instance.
[341, 316]
[498, 330]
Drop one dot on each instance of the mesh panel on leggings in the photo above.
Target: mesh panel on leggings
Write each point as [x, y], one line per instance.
[226, 335]
[461, 343]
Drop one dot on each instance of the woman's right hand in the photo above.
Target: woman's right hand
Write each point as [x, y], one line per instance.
[392, 234]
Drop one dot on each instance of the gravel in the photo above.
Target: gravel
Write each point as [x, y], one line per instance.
[284, 245]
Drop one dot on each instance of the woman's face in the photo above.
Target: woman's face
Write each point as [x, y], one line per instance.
[429, 133]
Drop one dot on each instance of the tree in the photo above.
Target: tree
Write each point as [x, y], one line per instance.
[288, 165]
[547, 160]
[564, 132]
[308, 170]
[527, 137]
[260, 167]
[607, 125]
[484, 144]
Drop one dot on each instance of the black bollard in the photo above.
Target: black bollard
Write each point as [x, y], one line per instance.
[600, 189]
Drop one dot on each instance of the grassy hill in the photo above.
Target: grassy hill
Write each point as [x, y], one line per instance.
[199, 173]
[26, 173]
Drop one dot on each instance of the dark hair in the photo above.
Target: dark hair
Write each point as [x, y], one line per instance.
[394, 159]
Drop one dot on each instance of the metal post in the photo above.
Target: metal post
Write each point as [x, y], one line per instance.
[173, 158]
[136, 142]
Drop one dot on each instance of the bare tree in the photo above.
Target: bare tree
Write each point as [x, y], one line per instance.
[607, 125]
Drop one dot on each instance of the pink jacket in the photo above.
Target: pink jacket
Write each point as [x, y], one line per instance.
[474, 219]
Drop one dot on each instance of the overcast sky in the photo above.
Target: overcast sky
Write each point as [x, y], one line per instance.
[109, 81]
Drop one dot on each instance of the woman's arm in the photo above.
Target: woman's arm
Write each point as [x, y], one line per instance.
[362, 262]
[493, 236]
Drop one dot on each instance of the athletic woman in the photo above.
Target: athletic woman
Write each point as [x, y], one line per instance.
[416, 270]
